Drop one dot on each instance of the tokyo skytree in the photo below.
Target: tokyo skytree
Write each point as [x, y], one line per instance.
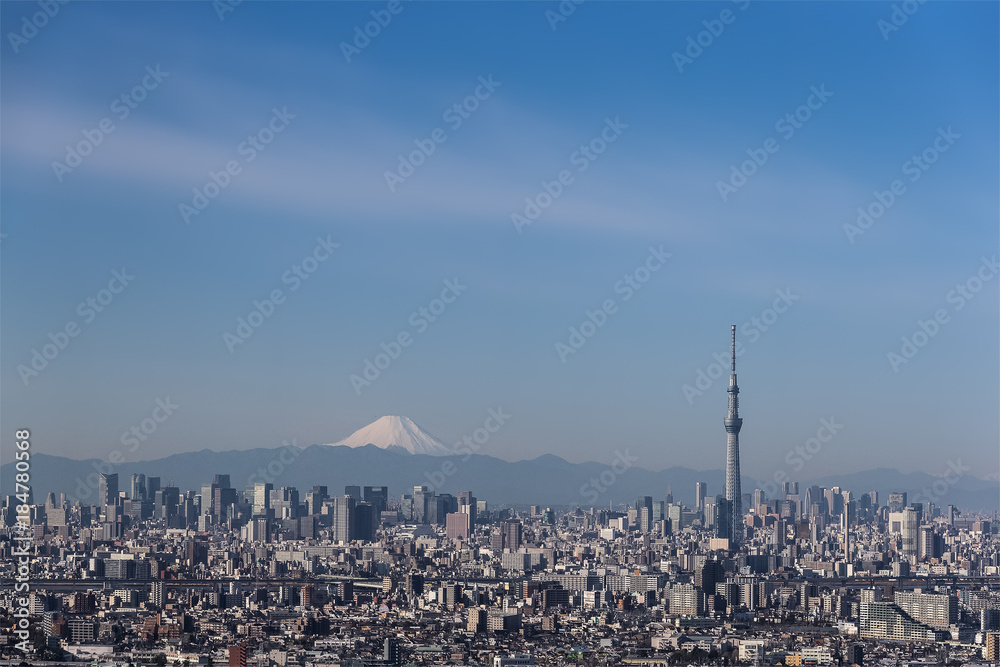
[734, 494]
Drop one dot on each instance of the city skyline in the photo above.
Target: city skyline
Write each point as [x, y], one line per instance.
[392, 334]
[829, 116]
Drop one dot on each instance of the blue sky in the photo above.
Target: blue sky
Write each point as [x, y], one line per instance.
[656, 184]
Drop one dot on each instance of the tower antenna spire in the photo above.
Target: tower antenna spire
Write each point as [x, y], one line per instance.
[734, 347]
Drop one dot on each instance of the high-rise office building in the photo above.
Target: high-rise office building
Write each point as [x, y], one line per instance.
[708, 575]
[315, 498]
[897, 501]
[645, 519]
[708, 512]
[207, 498]
[261, 497]
[930, 544]
[457, 527]
[343, 518]
[438, 507]
[910, 532]
[165, 502]
[467, 505]
[699, 495]
[421, 495]
[378, 496]
[223, 499]
[107, 489]
[365, 522]
[722, 519]
[644, 512]
[512, 535]
[137, 488]
[733, 422]
[152, 486]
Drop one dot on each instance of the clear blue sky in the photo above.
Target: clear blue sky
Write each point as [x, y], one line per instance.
[656, 184]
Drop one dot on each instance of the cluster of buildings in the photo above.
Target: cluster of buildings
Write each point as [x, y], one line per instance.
[269, 577]
[266, 576]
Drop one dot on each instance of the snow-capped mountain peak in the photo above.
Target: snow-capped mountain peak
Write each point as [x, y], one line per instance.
[395, 433]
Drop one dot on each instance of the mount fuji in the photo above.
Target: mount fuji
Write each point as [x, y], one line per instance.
[398, 434]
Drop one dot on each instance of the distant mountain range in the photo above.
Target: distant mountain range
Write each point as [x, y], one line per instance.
[399, 455]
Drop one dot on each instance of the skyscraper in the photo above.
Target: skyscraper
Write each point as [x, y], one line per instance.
[699, 495]
[378, 496]
[107, 489]
[467, 505]
[897, 501]
[734, 493]
[343, 518]
[644, 509]
[152, 486]
[261, 497]
[365, 522]
[421, 494]
[137, 489]
[512, 535]
[910, 532]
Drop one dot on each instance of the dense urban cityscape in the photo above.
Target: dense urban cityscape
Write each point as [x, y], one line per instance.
[244, 243]
[268, 575]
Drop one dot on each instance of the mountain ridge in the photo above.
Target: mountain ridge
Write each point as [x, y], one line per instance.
[546, 480]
